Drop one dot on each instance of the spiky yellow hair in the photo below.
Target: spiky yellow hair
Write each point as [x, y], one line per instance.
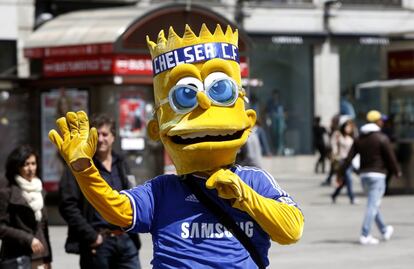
[189, 38]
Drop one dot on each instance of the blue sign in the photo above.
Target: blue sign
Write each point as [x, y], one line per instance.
[193, 54]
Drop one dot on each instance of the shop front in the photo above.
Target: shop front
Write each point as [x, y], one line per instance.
[394, 96]
[284, 99]
[97, 60]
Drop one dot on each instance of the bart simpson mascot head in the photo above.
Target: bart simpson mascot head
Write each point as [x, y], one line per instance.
[200, 115]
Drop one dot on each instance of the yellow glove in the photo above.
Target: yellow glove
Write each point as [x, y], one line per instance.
[78, 141]
[77, 145]
[283, 222]
[227, 184]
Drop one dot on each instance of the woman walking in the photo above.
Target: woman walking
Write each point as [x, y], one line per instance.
[23, 220]
[342, 141]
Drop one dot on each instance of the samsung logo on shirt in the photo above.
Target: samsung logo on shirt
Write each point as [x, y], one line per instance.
[212, 230]
[193, 54]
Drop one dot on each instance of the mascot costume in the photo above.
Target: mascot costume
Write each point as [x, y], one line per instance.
[201, 120]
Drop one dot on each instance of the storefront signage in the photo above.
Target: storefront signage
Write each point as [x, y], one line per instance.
[401, 64]
[287, 40]
[97, 65]
[107, 65]
[67, 51]
[374, 41]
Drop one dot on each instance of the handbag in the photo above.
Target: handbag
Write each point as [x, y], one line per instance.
[227, 221]
[21, 262]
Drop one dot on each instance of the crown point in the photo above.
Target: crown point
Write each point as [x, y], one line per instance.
[219, 32]
[229, 33]
[189, 34]
[236, 37]
[173, 39]
[161, 38]
[151, 45]
[205, 33]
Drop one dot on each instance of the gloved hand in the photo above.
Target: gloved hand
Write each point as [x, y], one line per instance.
[227, 184]
[78, 143]
[283, 222]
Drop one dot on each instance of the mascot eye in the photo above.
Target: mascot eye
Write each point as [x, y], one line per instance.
[221, 89]
[183, 96]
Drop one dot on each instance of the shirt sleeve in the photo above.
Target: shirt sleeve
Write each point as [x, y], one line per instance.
[270, 206]
[265, 184]
[142, 201]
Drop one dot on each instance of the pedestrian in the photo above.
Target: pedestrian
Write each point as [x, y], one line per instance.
[212, 213]
[342, 141]
[99, 244]
[377, 157]
[320, 143]
[332, 162]
[23, 216]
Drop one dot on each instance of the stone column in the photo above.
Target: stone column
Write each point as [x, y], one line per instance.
[25, 21]
[326, 81]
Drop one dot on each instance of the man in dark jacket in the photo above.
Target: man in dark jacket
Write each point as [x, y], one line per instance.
[100, 244]
[377, 157]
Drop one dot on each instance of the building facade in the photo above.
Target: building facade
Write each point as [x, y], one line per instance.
[305, 58]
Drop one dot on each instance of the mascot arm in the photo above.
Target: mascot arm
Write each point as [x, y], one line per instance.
[283, 222]
[112, 206]
[77, 145]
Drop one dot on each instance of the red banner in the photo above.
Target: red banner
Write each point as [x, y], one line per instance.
[123, 65]
[79, 66]
[69, 51]
[133, 65]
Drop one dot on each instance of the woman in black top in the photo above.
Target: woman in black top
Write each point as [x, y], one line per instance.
[23, 220]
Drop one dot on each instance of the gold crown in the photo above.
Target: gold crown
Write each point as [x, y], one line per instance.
[189, 38]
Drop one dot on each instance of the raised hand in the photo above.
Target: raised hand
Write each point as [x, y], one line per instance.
[77, 145]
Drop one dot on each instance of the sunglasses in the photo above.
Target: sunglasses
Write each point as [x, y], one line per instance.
[183, 97]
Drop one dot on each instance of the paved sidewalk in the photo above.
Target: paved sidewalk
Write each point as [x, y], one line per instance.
[330, 238]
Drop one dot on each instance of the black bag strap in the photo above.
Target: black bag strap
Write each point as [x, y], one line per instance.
[226, 220]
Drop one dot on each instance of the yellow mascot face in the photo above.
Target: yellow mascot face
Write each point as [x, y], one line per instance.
[200, 114]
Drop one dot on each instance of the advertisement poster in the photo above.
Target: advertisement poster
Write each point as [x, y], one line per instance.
[55, 104]
[134, 113]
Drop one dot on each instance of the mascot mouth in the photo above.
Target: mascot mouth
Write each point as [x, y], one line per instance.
[207, 136]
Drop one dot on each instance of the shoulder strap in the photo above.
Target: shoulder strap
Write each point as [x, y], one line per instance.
[226, 220]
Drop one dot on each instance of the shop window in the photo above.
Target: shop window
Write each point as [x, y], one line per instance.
[284, 102]
[358, 64]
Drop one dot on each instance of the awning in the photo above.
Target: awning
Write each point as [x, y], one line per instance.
[96, 26]
[392, 83]
[112, 41]
[118, 30]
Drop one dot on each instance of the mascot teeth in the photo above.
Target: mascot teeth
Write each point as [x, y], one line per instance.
[207, 133]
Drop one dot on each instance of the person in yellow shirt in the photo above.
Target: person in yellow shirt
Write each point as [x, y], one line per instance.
[200, 118]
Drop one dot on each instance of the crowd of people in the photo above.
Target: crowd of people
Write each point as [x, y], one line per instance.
[368, 153]
[23, 216]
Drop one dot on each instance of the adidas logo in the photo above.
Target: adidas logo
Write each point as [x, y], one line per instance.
[192, 198]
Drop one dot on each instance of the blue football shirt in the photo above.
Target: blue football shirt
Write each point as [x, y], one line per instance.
[184, 232]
